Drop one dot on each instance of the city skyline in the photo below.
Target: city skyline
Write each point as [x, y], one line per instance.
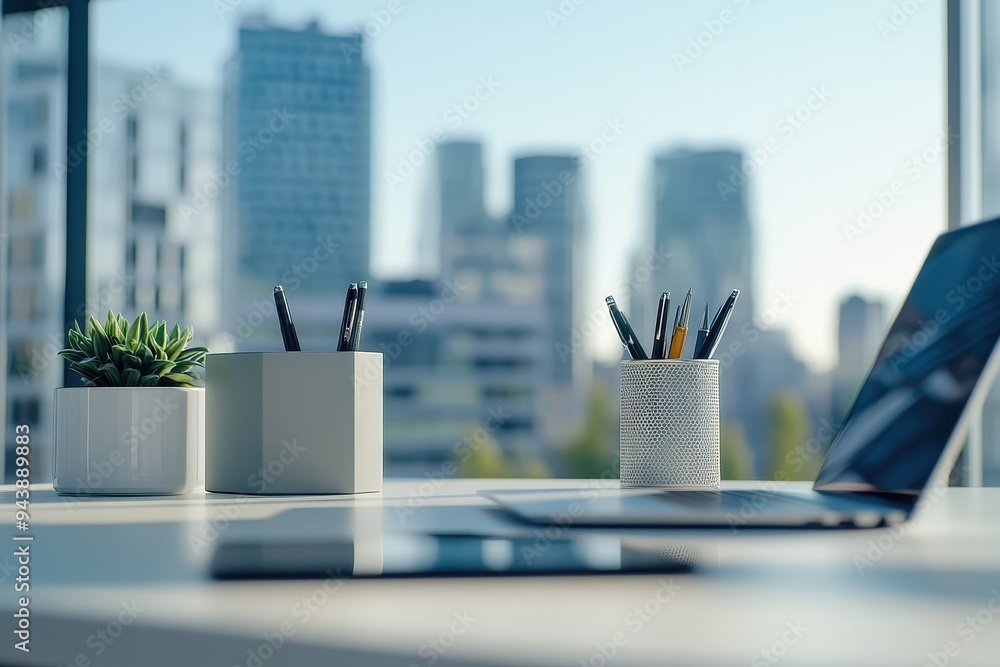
[803, 200]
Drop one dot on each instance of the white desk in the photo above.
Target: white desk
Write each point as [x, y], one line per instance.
[92, 556]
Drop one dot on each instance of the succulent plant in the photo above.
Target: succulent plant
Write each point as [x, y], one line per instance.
[136, 354]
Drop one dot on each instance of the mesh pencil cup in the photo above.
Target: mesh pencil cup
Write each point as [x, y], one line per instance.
[670, 423]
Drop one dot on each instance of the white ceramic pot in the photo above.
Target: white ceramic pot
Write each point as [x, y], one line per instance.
[128, 440]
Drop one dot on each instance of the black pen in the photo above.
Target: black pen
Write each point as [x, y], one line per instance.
[625, 332]
[703, 329]
[359, 317]
[288, 335]
[347, 324]
[660, 330]
[711, 343]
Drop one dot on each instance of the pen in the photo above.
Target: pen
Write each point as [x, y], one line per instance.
[718, 327]
[347, 323]
[359, 317]
[660, 331]
[681, 329]
[288, 335]
[625, 332]
[703, 329]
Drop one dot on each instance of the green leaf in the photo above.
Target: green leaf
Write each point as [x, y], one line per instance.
[111, 327]
[111, 373]
[132, 335]
[149, 380]
[102, 348]
[179, 379]
[143, 327]
[161, 334]
[131, 377]
[73, 355]
[158, 367]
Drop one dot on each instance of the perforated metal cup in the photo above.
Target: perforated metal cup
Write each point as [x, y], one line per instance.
[670, 423]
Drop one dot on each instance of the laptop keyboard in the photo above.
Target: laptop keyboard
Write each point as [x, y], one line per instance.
[737, 499]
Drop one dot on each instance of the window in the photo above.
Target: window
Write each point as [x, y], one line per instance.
[493, 192]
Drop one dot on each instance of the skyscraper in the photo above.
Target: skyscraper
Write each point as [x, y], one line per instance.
[547, 227]
[473, 247]
[706, 235]
[860, 333]
[297, 151]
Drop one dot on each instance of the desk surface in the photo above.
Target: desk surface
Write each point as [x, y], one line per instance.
[905, 596]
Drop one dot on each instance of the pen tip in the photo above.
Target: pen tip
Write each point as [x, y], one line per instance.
[363, 284]
[736, 293]
[610, 300]
[278, 288]
[690, 289]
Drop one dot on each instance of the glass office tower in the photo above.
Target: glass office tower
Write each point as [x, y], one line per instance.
[296, 152]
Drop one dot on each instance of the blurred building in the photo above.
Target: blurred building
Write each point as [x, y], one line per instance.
[704, 231]
[548, 215]
[453, 371]
[153, 244]
[34, 100]
[860, 332]
[153, 221]
[297, 151]
[474, 249]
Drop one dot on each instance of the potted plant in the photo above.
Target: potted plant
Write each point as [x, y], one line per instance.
[138, 427]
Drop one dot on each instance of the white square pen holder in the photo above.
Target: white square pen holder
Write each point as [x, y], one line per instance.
[293, 422]
[669, 432]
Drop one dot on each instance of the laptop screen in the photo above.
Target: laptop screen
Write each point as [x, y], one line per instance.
[932, 358]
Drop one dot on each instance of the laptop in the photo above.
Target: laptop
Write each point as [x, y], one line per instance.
[899, 439]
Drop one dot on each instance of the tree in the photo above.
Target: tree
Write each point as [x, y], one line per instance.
[485, 459]
[593, 450]
[788, 420]
[734, 455]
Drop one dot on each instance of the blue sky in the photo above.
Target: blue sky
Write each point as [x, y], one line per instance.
[562, 80]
